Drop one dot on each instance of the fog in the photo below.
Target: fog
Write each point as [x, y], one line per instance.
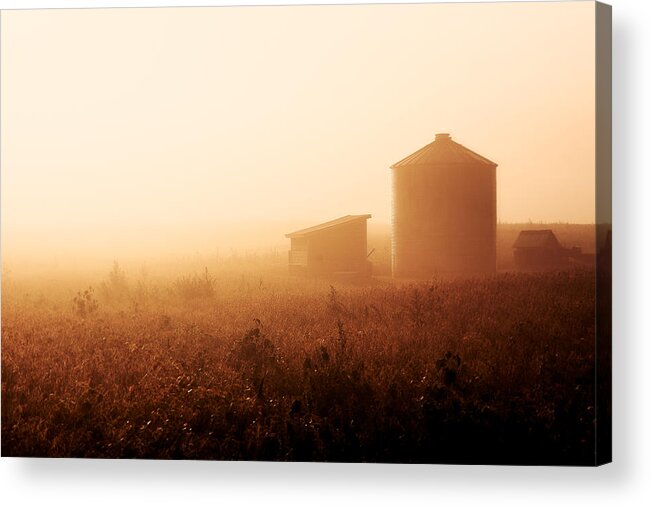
[143, 133]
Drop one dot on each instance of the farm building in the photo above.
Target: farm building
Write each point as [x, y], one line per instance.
[444, 212]
[539, 250]
[333, 247]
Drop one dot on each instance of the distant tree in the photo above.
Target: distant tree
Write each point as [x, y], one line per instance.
[116, 287]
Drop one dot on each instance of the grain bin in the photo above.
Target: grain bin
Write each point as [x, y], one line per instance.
[444, 212]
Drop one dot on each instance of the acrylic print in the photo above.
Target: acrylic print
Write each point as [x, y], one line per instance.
[362, 233]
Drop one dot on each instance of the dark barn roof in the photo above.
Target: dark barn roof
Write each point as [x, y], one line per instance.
[536, 239]
[328, 224]
[443, 151]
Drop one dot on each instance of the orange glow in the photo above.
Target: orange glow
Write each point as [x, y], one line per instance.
[149, 130]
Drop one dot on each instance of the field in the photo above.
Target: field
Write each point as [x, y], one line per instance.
[240, 361]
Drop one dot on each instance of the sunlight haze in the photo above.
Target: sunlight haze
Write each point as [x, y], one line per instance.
[130, 127]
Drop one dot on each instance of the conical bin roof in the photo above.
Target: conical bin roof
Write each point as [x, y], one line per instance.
[443, 151]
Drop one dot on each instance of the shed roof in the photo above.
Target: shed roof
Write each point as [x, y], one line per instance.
[536, 239]
[328, 224]
[443, 151]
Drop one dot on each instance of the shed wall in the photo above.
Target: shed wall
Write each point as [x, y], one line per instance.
[340, 248]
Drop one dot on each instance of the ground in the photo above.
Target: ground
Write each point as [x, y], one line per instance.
[249, 363]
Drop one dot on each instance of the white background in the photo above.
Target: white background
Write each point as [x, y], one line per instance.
[626, 481]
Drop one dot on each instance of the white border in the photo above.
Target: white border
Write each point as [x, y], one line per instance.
[627, 481]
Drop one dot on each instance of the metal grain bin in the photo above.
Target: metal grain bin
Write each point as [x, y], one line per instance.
[444, 212]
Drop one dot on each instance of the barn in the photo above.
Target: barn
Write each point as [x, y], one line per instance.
[334, 247]
[444, 212]
[539, 250]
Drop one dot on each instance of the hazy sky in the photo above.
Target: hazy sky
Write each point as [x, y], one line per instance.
[127, 118]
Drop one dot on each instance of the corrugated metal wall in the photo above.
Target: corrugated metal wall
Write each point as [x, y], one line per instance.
[444, 219]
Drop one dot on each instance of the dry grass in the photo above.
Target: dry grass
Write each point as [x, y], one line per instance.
[269, 367]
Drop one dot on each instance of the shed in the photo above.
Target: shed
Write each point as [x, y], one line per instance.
[334, 247]
[539, 250]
